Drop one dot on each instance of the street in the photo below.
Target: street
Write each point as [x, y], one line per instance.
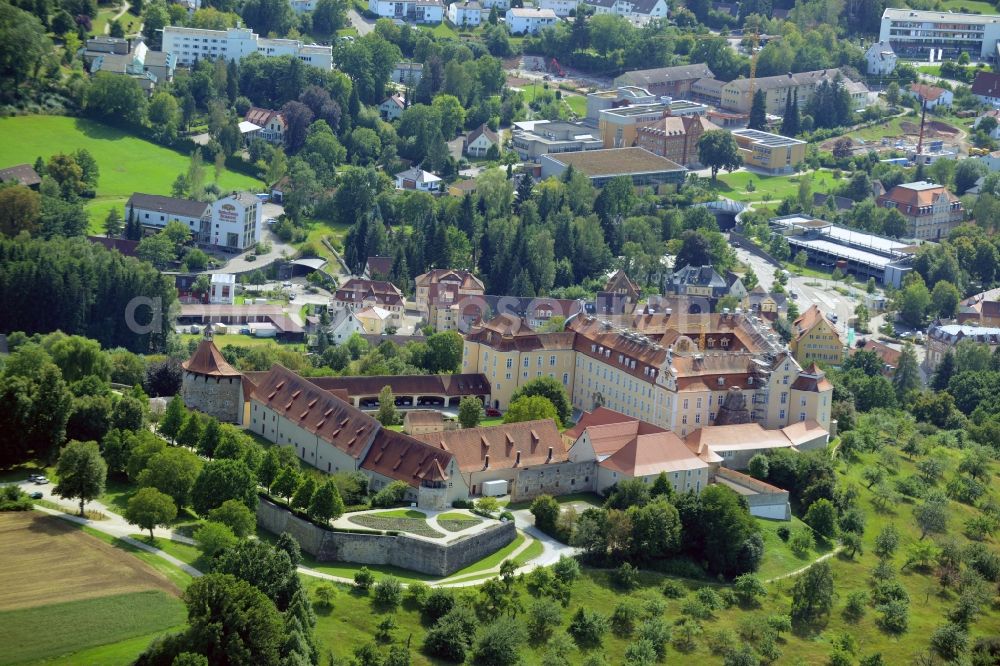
[360, 23]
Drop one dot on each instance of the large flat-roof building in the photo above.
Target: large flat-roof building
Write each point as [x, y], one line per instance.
[189, 45]
[768, 152]
[776, 89]
[915, 34]
[864, 255]
[619, 126]
[234, 221]
[643, 167]
[548, 137]
[672, 81]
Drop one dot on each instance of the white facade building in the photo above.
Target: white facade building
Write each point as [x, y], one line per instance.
[234, 221]
[914, 34]
[237, 221]
[637, 11]
[562, 8]
[501, 5]
[418, 11]
[417, 179]
[528, 21]
[192, 44]
[465, 13]
[881, 59]
[223, 289]
[392, 107]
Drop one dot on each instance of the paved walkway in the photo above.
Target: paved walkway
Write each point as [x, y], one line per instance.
[802, 569]
[107, 26]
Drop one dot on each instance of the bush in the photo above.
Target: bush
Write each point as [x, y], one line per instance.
[324, 595]
[802, 542]
[673, 589]
[854, 609]
[235, 515]
[463, 504]
[544, 616]
[416, 594]
[364, 579]
[895, 616]
[624, 618]
[487, 505]
[213, 538]
[13, 498]
[626, 576]
[391, 495]
[783, 533]
[566, 569]
[587, 628]
[710, 598]
[438, 604]
[388, 593]
[499, 643]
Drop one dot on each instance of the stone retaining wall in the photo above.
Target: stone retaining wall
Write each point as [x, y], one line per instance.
[434, 559]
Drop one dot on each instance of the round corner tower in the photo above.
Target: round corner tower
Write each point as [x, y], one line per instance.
[210, 385]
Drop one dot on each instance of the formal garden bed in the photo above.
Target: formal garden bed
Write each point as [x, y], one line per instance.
[395, 521]
[456, 522]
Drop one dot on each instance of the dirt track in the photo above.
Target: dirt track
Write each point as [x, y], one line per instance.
[46, 560]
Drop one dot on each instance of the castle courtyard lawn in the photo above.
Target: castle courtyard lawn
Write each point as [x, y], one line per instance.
[128, 164]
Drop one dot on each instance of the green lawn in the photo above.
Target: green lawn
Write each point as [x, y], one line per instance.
[444, 31]
[127, 164]
[493, 560]
[416, 526]
[534, 549]
[334, 233]
[122, 653]
[769, 188]
[239, 340]
[176, 576]
[967, 6]
[184, 552]
[578, 103]
[57, 630]
[891, 128]
[592, 499]
[778, 557]
[402, 513]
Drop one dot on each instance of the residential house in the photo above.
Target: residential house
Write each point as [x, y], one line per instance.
[930, 210]
[886, 354]
[620, 295]
[639, 165]
[995, 115]
[771, 153]
[881, 59]
[701, 281]
[418, 11]
[675, 137]
[465, 13]
[529, 20]
[129, 58]
[20, 174]
[189, 45]
[344, 325]
[562, 8]
[478, 142]
[674, 82]
[501, 5]
[407, 73]
[530, 456]
[272, 124]
[392, 107]
[767, 305]
[445, 286]
[636, 11]
[418, 179]
[534, 138]
[359, 293]
[982, 309]
[931, 96]
[378, 268]
[942, 338]
[374, 320]
[423, 421]
[986, 87]
[815, 338]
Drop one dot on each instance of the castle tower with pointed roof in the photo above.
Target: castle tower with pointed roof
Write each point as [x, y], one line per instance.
[210, 385]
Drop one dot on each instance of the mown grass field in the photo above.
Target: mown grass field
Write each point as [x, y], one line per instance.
[974, 6]
[66, 629]
[770, 188]
[128, 164]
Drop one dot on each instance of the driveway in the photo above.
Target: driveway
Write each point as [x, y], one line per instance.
[359, 22]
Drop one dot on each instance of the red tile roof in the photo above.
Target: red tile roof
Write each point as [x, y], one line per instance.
[506, 446]
[208, 360]
[448, 385]
[407, 459]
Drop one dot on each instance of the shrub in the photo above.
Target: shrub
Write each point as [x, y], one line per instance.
[802, 542]
[499, 643]
[364, 579]
[488, 505]
[854, 609]
[748, 589]
[566, 569]
[587, 628]
[544, 615]
[390, 496]
[236, 516]
[416, 594]
[626, 576]
[783, 533]
[213, 538]
[388, 593]
[673, 589]
[463, 504]
[507, 516]
[710, 598]
[324, 594]
[656, 632]
[624, 618]
[779, 624]
[721, 642]
[438, 604]
[13, 498]
[895, 616]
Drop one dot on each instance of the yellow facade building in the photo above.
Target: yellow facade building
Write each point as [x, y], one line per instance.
[814, 338]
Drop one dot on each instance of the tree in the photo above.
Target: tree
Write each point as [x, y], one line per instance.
[587, 628]
[530, 408]
[913, 300]
[950, 641]
[114, 96]
[328, 17]
[326, 503]
[149, 508]
[81, 471]
[717, 149]
[444, 352]
[945, 297]
[387, 414]
[758, 111]
[886, 542]
[156, 249]
[222, 480]
[748, 589]
[791, 122]
[499, 643]
[544, 616]
[822, 517]
[190, 433]
[758, 466]
[210, 438]
[20, 210]
[967, 172]
[287, 483]
[470, 411]
[932, 514]
[172, 471]
[906, 378]
[551, 389]
[812, 594]
[236, 516]
[303, 495]
[213, 538]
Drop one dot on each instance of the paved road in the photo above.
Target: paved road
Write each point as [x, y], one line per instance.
[360, 23]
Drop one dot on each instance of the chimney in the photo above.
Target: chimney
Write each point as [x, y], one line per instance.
[549, 458]
[517, 460]
[486, 465]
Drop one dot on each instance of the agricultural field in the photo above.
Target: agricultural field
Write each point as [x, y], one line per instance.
[128, 164]
[84, 592]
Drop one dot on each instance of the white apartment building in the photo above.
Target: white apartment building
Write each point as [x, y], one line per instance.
[637, 11]
[528, 20]
[418, 11]
[222, 289]
[914, 33]
[881, 59]
[235, 221]
[465, 13]
[191, 44]
[562, 8]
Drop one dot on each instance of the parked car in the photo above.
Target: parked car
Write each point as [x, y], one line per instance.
[41, 480]
[492, 412]
[33, 477]
[35, 495]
